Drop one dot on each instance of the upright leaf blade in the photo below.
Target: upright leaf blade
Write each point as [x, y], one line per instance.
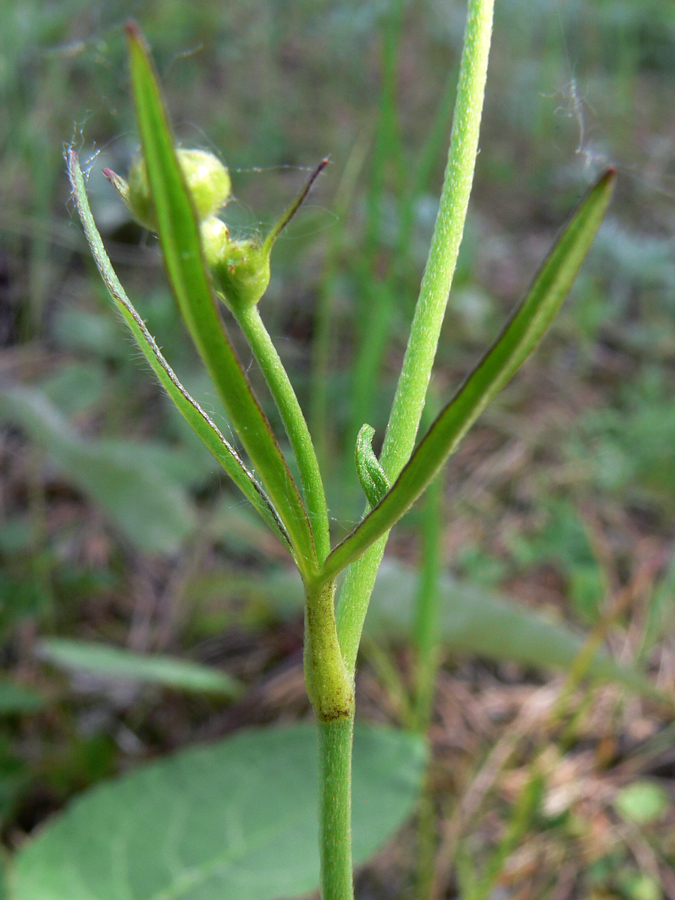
[179, 236]
[518, 339]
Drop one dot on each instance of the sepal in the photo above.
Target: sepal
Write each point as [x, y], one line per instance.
[207, 179]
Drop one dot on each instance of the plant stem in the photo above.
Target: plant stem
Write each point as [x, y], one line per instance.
[294, 421]
[430, 310]
[426, 643]
[426, 839]
[521, 334]
[330, 687]
[331, 690]
[335, 776]
[447, 237]
[425, 637]
[194, 415]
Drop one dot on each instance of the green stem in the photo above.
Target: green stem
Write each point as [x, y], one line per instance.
[294, 421]
[447, 237]
[426, 643]
[426, 631]
[335, 839]
[430, 310]
[331, 690]
[330, 686]
[426, 840]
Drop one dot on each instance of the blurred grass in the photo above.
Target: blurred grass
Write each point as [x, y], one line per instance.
[567, 488]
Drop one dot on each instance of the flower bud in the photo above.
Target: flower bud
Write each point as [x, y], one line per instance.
[240, 269]
[207, 180]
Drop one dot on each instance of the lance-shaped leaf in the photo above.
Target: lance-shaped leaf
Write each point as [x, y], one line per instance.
[195, 416]
[518, 339]
[117, 663]
[179, 237]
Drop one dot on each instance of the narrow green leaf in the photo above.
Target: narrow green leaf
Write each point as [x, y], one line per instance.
[195, 416]
[518, 339]
[179, 237]
[119, 663]
[235, 821]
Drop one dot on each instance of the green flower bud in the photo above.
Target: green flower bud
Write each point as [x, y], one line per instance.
[240, 269]
[207, 179]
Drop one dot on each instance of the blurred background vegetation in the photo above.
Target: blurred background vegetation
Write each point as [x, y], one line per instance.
[116, 527]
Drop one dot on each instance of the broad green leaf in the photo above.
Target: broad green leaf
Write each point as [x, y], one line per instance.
[140, 498]
[15, 699]
[477, 623]
[519, 338]
[232, 821]
[118, 663]
[181, 246]
[195, 416]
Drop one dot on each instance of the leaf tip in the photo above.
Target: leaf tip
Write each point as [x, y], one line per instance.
[72, 164]
[118, 183]
[293, 208]
[133, 31]
[136, 42]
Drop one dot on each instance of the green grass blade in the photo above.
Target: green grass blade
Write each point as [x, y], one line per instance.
[179, 237]
[118, 663]
[518, 339]
[195, 416]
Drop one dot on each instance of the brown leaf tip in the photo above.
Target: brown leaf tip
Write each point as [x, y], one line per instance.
[132, 30]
